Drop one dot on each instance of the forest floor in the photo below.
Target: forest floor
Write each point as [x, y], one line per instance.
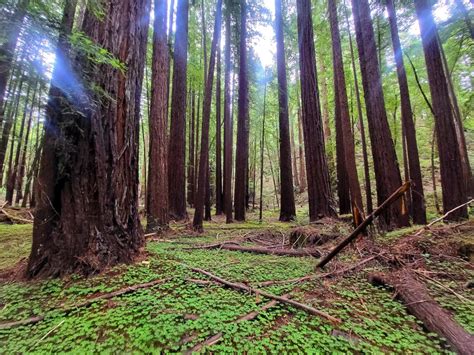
[186, 311]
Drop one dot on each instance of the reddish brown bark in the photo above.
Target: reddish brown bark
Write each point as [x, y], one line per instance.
[203, 182]
[387, 173]
[319, 190]
[302, 167]
[453, 186]
[342, 103]
[228, 131]
[417, 196]
[87, 210]
[157, 189]
[242, 154]
[287, 206]
[177, 139]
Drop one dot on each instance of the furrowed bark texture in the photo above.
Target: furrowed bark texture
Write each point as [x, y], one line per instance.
[177, 142]
[87, 210]
[387, 173]
[287, 207]
[319, 190]
[453, 186]
[157, 189]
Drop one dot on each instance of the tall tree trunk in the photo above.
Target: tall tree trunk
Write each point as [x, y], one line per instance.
[433, 171]
[343, 190]
[87, 210]
[418, 202]
[22, 163]
[262, 149]
[365, 154]
[453, 187]
[303, 181]
[203, 183]
[157, 189]
[242, 154]
[387, 173]
[346, 126]
[191, 158]
[294, 159]
[196, 148]
[177, 140]
[7, 49]
[219, 196]
[320, 197]
[228, 132]
[287, 211]
[13, 167]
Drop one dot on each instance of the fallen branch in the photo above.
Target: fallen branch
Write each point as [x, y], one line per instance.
[261, 250]
[391, 199]
[424, 228]
[27, 321]
[416, 298]
[245, 288]
[313, 277]
[217, 337]
[14, 218]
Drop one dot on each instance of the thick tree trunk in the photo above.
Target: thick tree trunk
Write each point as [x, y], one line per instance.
[177, 141]
[87, 210]
[228, 134]
[203, 172]
[320, 197]
[365, 155]
[418, 202]
[343, 190]
[387, 173]
[294, 157]
[157, 189]
[453, 186]
[7, 49]
[342, 103]
[242, 154]
[219, 195]
[287, 210]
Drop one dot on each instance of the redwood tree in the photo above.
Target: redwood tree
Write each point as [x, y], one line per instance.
[203, 171]
[342, 104]
[453, 186]
[241, 161]
[177, 139]
[219, 195]
[87, 210]
[320, 197]
[387, 173]
[228, 131]
[417, 195]
[287, 206]
[157, 189]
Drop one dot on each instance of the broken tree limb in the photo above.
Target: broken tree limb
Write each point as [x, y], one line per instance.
[217, 337]
[419, 303]
[424, 228]
[15, 218]
[241, 287]
[27, 321]
[391, 199]
[262, 250]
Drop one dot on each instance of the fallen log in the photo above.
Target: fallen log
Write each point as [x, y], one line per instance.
[391, 199]
[217, 337]
[261, 250]
[419, 303]
[244, 288]
[14, 219]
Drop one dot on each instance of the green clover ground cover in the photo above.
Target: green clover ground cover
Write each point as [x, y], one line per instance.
[178, 314]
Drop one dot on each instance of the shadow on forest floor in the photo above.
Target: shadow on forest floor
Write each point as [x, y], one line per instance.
[186, 309]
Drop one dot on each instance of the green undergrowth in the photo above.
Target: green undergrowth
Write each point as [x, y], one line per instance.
[15, 242]
[181, 312]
